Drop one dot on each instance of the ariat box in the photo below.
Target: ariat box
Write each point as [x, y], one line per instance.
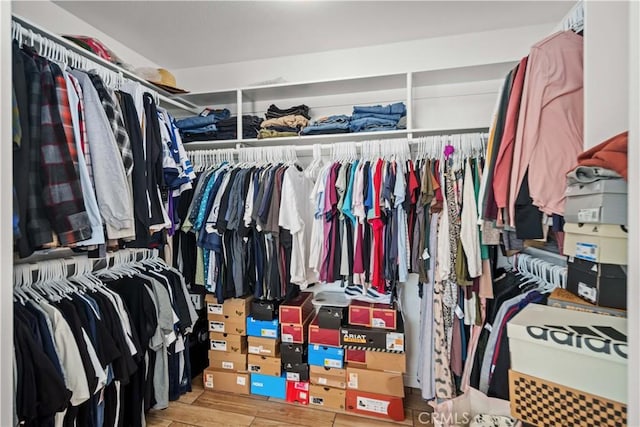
[377, 360]
[293, 353]
[322, 336]
[359, 338]
[298, 392]
[294, 332]
[267, 385]
[326, 397]
[601, 202]
[603, 243]
[228, 342]
[233, 307]
[384, 316]
[227, 324]
[330, 377]
[601, 284]
[583, 351]
[388, 383]
[544, 403]
[264, 346]
[227, 361]
[264, 309]
[264, 365]
[360, 313]
[297, 310]
[375, 405]
[296, 371]
[263, 328]
[330, 317]
[322, 355]
[232, 382]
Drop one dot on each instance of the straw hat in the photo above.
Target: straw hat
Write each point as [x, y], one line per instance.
[160, 77]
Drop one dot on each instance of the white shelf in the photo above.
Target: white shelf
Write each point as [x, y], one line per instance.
[174, 102]
[329, 138]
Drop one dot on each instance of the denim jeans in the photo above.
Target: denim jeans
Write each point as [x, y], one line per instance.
[369, 124]
[197, 131]
[395, 117]
[196, 122]
[397, 108]
[331, 124]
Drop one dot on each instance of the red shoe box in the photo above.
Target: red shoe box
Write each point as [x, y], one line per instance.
[321, 336]
[360, 313]
[297, 310]
[375, 405]
[298, 392]
[295, 333]
[384, 316]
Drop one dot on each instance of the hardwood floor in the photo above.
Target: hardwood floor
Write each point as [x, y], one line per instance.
[202, 408]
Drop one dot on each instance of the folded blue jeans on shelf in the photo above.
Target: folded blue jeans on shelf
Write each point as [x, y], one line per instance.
[195, 122]
[200, 130]
[396, 108]
[367, 123]
[395, 117]
[331, 124]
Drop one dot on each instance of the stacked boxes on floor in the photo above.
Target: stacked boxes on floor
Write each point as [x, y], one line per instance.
[374, 341]
[328, 375]
[295, 317]
[228, 338]
[264, 362]
[596, 241]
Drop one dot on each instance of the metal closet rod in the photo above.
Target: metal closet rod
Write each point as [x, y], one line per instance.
[28, 30]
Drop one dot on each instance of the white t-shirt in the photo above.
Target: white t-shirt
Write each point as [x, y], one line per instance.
[296, 215]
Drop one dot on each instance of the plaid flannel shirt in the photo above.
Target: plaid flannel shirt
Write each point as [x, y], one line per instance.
[38, 226]
[62, 193]
[114, 114]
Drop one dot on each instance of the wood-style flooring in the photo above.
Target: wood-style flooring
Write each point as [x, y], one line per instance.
[202, 408]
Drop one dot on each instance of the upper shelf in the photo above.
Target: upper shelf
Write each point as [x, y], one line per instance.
[308, 140]
[169, 101]
[283, 91]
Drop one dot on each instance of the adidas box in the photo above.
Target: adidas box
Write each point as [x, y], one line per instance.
[263, 328]
[264, 309]
[293, 353]
[603, 243]
[583, 351]
[330, 357]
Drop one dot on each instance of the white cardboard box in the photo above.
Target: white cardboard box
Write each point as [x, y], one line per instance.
[584, 351]
[602, 243]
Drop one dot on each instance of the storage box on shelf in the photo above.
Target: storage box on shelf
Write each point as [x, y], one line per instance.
[582, 351]
[601, 284]
[562, 298]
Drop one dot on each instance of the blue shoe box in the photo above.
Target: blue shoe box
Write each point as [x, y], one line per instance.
[267, 385]
[263, 328]
[329, 357]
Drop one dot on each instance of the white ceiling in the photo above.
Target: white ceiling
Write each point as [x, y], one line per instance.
[185, 34]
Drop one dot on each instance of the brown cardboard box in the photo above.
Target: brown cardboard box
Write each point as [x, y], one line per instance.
[227, 324]
[235, 307]
[330, 377]
[295, 333]
[297, 310]
[382, 361]
[326, 397]
[264, 365]
[387, 383]
[235, 362]
[228, 342]
[264, 346]
[233, 382]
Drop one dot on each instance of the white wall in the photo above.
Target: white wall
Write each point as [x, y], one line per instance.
[606, 70]
[633, 292]
[6, 231]
[419, 55]
[52, 17]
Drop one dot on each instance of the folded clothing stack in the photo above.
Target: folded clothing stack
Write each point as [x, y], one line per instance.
[377, 117]
[326, 125]
[283, 126]
[203, 126]
[228, 128]
[287, 122]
